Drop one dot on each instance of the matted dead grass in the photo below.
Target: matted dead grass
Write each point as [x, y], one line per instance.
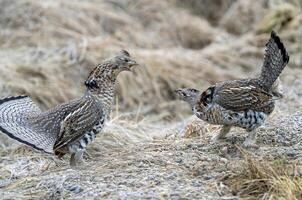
[263, 179]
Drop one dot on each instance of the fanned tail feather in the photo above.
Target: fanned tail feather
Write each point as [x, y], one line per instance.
[275, 59]
[15, 113]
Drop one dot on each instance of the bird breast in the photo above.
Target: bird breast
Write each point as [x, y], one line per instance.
[216, 114]
[212, 113]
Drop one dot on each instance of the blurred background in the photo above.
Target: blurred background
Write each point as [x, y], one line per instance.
[49, 47]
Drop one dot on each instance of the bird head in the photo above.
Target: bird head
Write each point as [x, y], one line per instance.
[110, 69]
[188, 94]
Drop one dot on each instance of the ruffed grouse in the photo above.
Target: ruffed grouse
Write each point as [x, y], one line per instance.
[244, 103]
[71, 126]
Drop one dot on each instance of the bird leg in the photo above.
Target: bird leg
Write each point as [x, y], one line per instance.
[60, 155]
[223, 131]
[76, 158]
[250, 140]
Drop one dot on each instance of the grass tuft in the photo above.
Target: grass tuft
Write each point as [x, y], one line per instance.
[261, 179]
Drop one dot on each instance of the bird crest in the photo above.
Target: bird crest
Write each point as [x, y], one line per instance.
[109, 69]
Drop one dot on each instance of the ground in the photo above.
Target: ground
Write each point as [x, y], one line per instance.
[187, 167]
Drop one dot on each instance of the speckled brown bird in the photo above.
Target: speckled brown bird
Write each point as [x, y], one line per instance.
[244, 103]
[69, 127]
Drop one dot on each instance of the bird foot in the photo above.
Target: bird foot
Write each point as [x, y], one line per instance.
[76, 163]
[217, 138]
[248, 143]
[76, 160]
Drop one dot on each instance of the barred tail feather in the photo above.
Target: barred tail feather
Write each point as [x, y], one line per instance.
[14, 115]
[275, 59]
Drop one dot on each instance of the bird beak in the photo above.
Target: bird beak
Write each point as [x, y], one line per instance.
[177, 91]
[131, 64]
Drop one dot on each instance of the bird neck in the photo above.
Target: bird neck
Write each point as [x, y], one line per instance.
[193, 99]
[104, 94]
[196, 101]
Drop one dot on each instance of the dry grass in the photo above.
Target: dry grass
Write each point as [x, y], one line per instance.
[150, 148]
[267, 179]
[277, 19]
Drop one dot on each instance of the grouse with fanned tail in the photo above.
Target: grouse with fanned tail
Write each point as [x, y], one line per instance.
[244, 103]
[69, 127]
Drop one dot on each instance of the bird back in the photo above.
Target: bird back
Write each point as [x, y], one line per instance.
[242, 95]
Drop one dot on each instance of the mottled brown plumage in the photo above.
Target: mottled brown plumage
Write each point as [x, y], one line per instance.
[244, 103]
[69, 127]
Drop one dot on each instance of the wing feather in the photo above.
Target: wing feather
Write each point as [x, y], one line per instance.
[242, 98]
[78, 122]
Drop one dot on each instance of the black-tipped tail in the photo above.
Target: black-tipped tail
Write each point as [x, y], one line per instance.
[275, 59]
[14, 115]
[11, 135]
[280, 45]
[12, 98]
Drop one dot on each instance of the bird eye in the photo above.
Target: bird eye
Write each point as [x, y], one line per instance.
[208, 92]
[125, 59]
